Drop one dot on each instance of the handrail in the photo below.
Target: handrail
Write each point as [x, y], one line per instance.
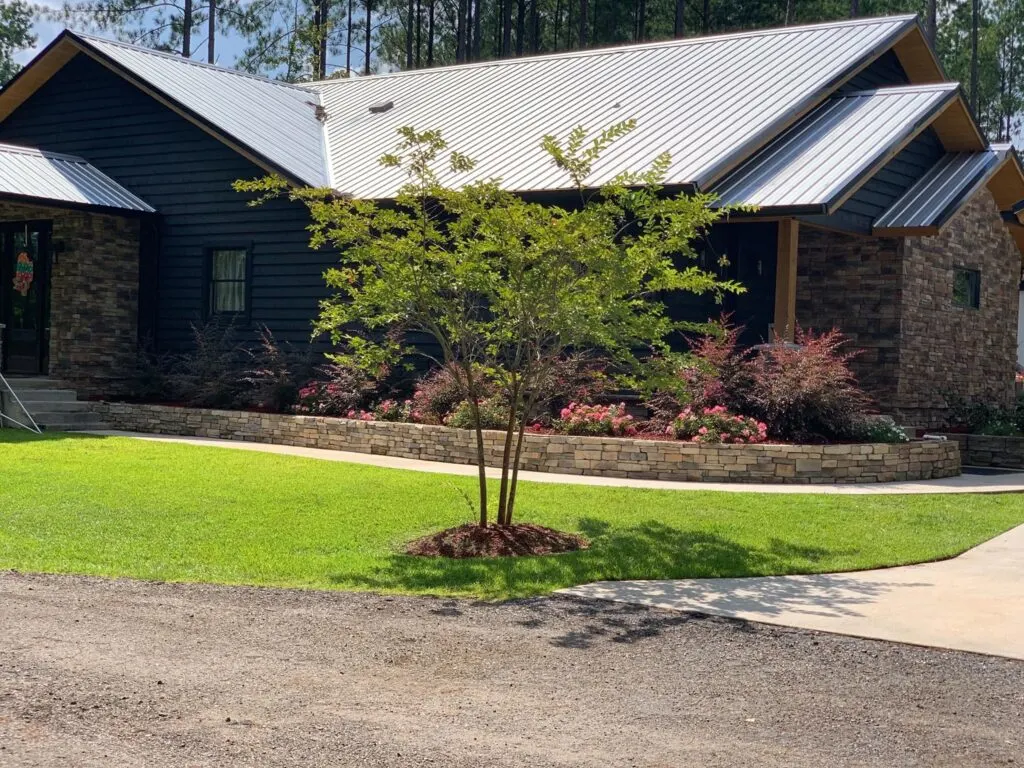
[4, 384]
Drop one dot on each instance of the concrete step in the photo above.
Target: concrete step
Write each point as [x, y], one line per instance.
[22, 383]
[65, 421]
[35, 405]
[47, 395]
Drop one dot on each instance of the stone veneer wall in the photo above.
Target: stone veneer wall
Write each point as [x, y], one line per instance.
[853, 283]
[608, 457]
[894, 298]
[948, 349]
[94, 295]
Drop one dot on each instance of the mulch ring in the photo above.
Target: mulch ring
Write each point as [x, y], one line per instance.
[496, 541]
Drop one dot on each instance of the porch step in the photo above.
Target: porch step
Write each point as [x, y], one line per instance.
[54, 405]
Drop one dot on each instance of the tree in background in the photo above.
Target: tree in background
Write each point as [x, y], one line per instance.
[978, 42]
[15, 35]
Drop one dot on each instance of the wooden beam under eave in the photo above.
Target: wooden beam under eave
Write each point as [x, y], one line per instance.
[785, 280]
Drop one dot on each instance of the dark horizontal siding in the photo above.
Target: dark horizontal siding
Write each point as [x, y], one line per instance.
[895, 178]
[186, 175]
[886, 70]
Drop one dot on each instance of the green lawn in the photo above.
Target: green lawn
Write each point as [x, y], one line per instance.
[122, 507]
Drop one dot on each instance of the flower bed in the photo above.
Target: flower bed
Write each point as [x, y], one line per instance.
[568, 454]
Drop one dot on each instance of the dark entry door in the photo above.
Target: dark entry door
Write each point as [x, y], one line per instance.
[25, 296]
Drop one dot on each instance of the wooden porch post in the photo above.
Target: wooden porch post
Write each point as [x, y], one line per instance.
[785, 280]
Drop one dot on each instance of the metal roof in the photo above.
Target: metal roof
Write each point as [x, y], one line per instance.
[273, 119]
[826, 153]
[61, 178]
[710, 102]
[941, 191]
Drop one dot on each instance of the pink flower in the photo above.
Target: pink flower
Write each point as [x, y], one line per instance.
[702, 431]
[669, 430]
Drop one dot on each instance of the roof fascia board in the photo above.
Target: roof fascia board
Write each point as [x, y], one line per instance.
[1007, 184]
[894, 149]
[905, 231]
[727, 164]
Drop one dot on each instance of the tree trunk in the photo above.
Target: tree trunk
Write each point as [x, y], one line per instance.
[211, 34]
[788, 19]
[460, 31]
[931, 22]
[186, 30]
[506, 27]
[641, 21]
[558, 23]
[534, 27]
[419, 33]
[520, 26]
[975, 21]
[325, 11]
[854, 8]
[408, 34]
[707, 17]
[584, 14]
[476, 29]
[679, 30]
[430, 32]
[369, 36]
[348, 42]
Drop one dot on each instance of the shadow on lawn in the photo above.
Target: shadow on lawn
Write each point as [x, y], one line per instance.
[13, 435]
[651, 550]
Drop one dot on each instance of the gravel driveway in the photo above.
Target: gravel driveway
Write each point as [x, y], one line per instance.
[101, 673]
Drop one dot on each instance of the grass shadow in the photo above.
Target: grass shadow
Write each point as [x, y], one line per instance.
[650, 550]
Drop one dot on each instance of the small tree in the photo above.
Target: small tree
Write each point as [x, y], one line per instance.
[506, 288]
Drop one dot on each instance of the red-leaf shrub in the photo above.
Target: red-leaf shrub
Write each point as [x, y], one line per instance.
[716, 425]
[344, 390]
[717, 369]
[436, 396]
[804, 391]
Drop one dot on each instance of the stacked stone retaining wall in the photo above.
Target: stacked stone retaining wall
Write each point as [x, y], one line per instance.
[601, 456]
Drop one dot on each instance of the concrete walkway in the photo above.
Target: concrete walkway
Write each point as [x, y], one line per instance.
[999, 482]
[974, 602]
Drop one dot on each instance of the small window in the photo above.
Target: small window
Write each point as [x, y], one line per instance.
[966, 288]
[229, 281]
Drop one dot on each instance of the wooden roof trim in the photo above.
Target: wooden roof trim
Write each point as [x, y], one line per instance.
[1007, 183]
[31, 78]
[904, 231]
[957, 129]
[918, 59]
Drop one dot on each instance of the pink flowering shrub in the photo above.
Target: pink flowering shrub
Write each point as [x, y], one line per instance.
[716, 425]
[360, 414]
[599, 420]
[342, 390]
[392, 410]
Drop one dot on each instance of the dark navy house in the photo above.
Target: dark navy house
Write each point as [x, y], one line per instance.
[880, 207]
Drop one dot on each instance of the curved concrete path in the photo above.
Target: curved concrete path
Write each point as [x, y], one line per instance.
[1000, 482]
[974, 602]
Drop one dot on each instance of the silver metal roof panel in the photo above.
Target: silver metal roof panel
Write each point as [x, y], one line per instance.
[273, 119]
[833, 148]
[708, 101]
[61, 178]
[941, 191]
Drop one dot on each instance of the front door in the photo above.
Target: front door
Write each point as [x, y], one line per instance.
[25, 297]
